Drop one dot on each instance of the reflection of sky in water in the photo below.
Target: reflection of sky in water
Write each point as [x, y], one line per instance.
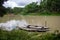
[9, 25]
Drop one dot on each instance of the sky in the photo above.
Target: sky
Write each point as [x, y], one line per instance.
[18, 3]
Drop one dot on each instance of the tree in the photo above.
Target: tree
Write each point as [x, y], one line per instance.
[17, 10]
[2, 9]
[53, 5]
[31, 8]
[43, 5]
[9, 10]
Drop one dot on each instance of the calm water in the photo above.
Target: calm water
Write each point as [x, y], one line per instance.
[53, 22]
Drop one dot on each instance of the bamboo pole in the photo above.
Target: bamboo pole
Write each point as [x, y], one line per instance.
[45, 21]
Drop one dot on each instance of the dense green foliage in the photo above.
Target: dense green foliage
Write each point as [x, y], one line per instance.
[53, 5]
[46, 7]
[24, 35]
[31, 8]
[2, 9]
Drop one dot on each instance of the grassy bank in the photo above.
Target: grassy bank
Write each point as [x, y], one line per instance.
[42, 14]
[24, 35]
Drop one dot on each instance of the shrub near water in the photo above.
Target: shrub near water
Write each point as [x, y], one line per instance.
[23, 35]
[13, 35]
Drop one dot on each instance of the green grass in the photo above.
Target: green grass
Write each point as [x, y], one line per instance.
[24, 35]
[42, 14]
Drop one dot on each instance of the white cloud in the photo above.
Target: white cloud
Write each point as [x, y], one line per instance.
[18, 3]
[10, 4]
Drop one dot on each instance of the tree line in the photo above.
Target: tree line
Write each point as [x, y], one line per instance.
[45, 7]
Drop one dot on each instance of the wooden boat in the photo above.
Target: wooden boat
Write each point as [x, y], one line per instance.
[35, 28]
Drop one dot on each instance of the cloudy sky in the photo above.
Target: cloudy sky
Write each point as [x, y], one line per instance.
[18, 3]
